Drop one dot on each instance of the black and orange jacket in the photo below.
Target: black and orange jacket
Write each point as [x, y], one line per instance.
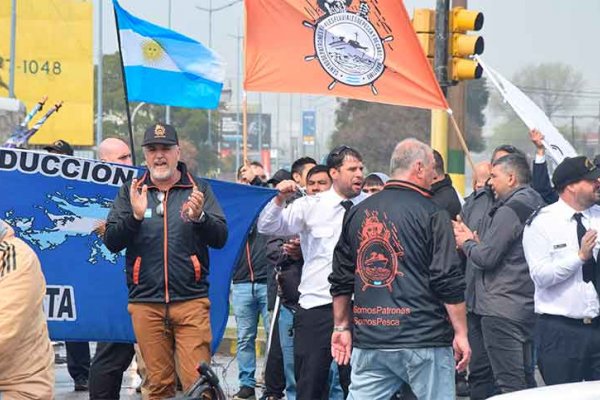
[252, 266]
[397, 255]
[166, 255]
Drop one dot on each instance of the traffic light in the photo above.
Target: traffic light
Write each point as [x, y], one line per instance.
[424, 25]
[462, 46]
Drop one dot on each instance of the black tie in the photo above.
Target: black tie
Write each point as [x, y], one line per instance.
[347, 204]
[589, 265]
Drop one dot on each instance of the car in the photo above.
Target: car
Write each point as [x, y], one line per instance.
[572, 391]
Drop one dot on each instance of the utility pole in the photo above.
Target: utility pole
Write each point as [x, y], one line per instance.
[239, 37]
[99, 72]
[13, 49]
[210, 10]
[439, 118]
[168, 108]
[278, 131]
[457, 98]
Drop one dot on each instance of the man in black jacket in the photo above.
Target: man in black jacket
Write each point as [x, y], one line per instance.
[166, 220]
[397, 256]
[444, 194]
[249, 300]
[502, 321]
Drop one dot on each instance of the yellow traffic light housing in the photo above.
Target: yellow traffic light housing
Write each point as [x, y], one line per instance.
[462, 69]
[462, 46]
[424, 25]
[463, 20]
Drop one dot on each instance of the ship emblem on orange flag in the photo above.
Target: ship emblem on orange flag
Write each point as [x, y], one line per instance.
[348, 46]
[361, 49]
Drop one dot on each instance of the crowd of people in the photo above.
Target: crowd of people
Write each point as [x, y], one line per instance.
[368, 286]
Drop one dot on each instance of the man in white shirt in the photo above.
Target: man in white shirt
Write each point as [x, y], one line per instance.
[561, 250]
[317, 220]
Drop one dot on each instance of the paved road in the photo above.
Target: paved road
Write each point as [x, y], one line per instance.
[224, 366]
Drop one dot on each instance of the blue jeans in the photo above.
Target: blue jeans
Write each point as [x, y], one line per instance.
[249, 301]
[286, 339]
[335, 388]
[378, 374]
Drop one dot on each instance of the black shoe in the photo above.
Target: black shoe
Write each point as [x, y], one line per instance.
[245, 393]
[58, 359]
[81, 386]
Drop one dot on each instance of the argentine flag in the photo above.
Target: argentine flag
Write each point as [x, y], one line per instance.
[165, 67]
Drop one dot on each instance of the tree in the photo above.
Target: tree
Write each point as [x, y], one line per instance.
[375, 129]
[552, 86]
[477, 100]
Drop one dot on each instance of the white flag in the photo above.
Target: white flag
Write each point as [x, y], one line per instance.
[557, 147]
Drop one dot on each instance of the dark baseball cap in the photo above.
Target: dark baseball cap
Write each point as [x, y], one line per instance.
[574, 169]
[60, 147]
[160, 134]
[281, 175]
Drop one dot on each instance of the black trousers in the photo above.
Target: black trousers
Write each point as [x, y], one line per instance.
[568, 349]
[274, 374]
[106, 373]
[78, 360]
[501, 348]
[312, 353]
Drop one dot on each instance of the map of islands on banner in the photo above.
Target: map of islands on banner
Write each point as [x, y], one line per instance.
[54, 203]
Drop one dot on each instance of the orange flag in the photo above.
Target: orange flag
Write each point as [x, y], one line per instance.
[360, 49]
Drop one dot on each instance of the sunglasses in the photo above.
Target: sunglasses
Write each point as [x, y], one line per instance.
[160, 208]
[339, 150]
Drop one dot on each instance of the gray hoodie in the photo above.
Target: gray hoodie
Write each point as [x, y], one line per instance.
[503, 287]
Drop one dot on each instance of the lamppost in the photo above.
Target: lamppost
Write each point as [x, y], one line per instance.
[210, 10]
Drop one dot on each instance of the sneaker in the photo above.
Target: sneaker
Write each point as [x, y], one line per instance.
[81, 386]
[245, 393]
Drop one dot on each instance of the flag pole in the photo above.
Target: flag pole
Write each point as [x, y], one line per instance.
[245, 127]
[461, 139]
[131, 143]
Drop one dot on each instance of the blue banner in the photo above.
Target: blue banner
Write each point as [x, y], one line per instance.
[55, 202]
[309, 127]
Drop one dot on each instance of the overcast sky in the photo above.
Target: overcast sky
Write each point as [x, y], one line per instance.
[517, 33]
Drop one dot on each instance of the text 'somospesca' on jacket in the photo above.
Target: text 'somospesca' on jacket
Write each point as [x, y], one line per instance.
[397, 255]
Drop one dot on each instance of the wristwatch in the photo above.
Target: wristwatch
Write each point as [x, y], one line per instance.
[340, 328]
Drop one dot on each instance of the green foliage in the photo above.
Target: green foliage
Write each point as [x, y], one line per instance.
[551, 87]
[375, 129]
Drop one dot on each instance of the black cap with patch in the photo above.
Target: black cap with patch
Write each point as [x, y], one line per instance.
[60, 147]
[574, 169]
[281, 175]
[160, 134]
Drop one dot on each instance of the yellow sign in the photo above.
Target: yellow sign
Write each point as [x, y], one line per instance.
[53, 58]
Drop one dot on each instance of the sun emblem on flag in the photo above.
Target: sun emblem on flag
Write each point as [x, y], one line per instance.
[152, 51]
[347, 45]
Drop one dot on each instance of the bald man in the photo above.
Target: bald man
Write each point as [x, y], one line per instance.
[111, 359]
[481, 174]
[114, 150]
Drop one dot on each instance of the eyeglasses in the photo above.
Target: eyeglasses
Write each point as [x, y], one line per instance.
[160, 208]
